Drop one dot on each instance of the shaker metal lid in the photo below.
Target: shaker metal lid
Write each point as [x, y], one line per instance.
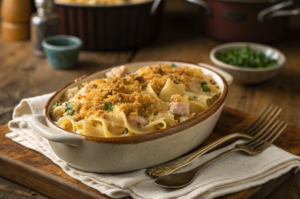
[253, 1]
[44, 3]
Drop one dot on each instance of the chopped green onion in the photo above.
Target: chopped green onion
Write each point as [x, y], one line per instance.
[155, 114]
[174, 65]
[138, 123]
[125, 131]
[108, 107]
[79, 87]
[195, 97]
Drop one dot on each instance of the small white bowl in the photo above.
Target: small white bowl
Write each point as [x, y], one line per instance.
[249, 75]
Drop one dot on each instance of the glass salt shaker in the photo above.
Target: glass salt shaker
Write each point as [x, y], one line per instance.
[44, 23]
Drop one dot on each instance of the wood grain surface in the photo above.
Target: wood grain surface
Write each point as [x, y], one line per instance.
[35, 171]
[24, 75]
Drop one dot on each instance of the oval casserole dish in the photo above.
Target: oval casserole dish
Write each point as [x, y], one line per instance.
[120, 154]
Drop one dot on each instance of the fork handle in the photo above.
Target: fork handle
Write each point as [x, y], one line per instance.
[172, 166]
[209, 162]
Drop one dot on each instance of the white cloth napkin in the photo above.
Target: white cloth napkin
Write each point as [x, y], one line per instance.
[235, 172]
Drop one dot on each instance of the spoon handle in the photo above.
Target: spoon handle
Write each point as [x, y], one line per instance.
[172, 166]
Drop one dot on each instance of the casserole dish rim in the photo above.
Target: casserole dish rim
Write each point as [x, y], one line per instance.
[154, 134]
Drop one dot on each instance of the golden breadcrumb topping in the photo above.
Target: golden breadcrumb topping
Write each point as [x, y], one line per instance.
[127, 94]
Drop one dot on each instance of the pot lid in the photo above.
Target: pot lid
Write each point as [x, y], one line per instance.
[253, 1]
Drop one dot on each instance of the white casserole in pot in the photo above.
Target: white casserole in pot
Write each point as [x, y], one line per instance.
[120, 154]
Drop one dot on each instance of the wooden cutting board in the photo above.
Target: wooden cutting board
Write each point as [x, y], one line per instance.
[38, 173]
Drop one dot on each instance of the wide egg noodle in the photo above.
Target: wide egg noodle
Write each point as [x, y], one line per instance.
[151, 92]
[197, 107]
[131, 129]
[170, 89]
[104, 122]
[86, 127]
[58, 112]
[66, 123]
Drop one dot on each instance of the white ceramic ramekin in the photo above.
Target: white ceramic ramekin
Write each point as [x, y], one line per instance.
[249, 75]
[111, 155]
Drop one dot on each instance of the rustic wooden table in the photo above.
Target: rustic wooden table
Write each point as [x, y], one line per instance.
[24, 75]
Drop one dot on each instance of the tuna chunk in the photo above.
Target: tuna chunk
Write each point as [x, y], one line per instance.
[87, 88]
[137, 120]
[118, 72]
[178, 108]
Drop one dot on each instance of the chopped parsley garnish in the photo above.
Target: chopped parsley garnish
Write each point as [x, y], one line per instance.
[155, 114]
[79, 87]
[57, 103]
[246, 57]
[71, 112]
[108, 107]
[205, 88]
[174, 65]
[69, 106]
[125, 131]
[138, 124]
[203, 83]
[195, 97]
[69, 109]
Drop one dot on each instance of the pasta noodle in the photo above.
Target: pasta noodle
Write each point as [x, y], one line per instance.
[153, 98]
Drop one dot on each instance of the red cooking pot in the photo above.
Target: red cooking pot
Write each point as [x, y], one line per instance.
[261, 21]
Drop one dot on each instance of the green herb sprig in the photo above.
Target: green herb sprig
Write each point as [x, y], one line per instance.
[69, 109]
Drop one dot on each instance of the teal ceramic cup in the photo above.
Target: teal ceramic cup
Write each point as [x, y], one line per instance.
[62, 51]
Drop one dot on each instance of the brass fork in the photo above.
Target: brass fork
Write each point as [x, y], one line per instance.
[259, 143]
[265, 119]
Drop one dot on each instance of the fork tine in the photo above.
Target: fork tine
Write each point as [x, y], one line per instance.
[271, 131]
[271, 117]
[257, 138]
[267, 109]
[267, 144]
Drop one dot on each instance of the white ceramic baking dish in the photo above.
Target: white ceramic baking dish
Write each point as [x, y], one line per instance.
[120, 154]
